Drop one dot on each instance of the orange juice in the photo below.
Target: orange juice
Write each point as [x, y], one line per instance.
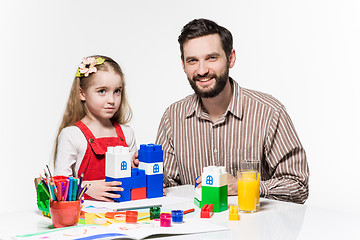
[248, 190]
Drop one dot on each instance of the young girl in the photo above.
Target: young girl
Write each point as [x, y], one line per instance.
[94, 119]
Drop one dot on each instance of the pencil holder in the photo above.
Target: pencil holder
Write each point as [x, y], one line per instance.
[65, 213]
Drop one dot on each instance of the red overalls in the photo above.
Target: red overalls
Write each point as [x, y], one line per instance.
[93, 163]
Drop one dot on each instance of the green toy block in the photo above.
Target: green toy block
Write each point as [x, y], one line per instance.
[217, 196]
[197, 203]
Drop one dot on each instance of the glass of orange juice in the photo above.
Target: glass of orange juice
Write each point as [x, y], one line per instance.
[248, 181]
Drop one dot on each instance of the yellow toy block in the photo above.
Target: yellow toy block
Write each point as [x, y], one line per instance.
[234, 213]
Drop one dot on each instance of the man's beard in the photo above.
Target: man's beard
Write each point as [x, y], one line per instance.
[220, 82]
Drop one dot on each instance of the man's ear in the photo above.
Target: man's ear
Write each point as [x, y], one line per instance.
[182, 64]
[82, 95]
[232, 58]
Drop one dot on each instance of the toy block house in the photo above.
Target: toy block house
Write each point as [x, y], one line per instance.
[138, 183]
[214, 188]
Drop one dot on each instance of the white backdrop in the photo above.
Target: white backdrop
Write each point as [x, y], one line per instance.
[305, 53]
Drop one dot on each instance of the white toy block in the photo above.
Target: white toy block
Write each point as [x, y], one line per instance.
[152, 168]
[213, 176]
[197, 193]
[118, 162]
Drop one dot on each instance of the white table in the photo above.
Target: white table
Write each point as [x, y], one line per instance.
[275, 220]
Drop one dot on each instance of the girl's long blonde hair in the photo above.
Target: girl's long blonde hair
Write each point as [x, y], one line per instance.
[75, 108]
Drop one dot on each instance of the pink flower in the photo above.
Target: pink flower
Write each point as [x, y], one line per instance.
[88, 66]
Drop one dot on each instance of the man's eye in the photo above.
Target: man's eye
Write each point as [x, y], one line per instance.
[191, 61]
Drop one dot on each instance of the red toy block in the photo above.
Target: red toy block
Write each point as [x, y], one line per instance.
[138, 193]
[131, 216]
[207, 211]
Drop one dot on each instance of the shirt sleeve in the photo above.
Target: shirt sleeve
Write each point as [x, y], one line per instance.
[130, 138]
[70, 151]
[286, 162]
[164, 137]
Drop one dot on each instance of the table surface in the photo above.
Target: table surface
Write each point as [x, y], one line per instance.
[275, 220]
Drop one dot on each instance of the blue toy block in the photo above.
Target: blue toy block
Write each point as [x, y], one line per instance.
[138, 178]
[150, 153]
[154, 186]
[125, 195]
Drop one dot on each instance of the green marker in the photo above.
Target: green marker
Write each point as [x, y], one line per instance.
[74, 190]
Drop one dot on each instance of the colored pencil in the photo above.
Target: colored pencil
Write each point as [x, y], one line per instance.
[79, 186]
[66, 192]
[82, 192]
[133, 208]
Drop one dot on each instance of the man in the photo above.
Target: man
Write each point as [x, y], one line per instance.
[223, 124]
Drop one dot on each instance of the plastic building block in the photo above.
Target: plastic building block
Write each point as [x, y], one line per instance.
[217, 196]
[234, 213]
[214, 188]
[154, 186]
[150, 153]
[207, 211]
[118, 162]
[213, 176]
[197, 203]
[154, 213]
[138, 178]
[125, 195]
[138, 193]
[131, 216]
[165, 220]
[152, 168]
[177, 216]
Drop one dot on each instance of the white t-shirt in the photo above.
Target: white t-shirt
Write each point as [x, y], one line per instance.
[72, 145]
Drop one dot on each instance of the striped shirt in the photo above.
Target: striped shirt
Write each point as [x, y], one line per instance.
[255, 126]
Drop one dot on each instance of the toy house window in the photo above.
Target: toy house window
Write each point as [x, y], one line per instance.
[123, 165]
[209, 180]
[156, 168]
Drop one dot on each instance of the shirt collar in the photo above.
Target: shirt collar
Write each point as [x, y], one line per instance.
[235, 106]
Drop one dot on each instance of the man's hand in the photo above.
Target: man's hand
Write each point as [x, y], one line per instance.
[164, 190]
[101, 190]
[135, 160]
[232, 185]
[198, 182]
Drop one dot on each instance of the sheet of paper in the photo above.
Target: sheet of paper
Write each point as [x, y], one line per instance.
[124, 230]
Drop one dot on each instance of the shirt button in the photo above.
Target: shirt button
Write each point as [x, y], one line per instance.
[91, 140]
[215, 150]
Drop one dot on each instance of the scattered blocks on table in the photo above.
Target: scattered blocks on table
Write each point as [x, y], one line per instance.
[234, 213]
[207, 211]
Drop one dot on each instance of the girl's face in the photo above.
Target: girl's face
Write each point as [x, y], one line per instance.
[102, 99]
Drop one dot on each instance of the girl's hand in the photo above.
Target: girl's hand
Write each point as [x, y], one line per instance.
[135, 160]
[101, 190]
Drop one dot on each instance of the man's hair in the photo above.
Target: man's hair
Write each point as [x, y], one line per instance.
[203, 27]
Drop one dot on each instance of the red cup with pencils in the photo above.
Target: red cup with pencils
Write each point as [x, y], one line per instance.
[65, 213]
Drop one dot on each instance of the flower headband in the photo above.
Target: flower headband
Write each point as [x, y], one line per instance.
[88, 66]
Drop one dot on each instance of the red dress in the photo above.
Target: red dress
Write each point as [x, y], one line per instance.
[93, 163]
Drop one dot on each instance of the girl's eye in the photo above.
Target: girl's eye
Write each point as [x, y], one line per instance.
[118, 91]
[102, 91]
